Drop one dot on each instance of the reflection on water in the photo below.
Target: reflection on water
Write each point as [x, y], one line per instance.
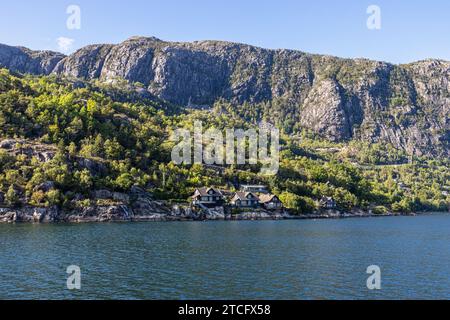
[324, 259]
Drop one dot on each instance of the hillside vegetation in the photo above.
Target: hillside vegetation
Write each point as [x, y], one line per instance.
[63, 139]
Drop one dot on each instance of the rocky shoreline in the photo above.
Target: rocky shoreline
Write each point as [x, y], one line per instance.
[124, 213]
[160, 213]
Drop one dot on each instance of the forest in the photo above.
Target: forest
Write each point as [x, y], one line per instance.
[114, 136]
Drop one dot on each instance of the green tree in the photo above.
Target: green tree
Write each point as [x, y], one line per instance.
[72, 149]
[37, 198]
[12, 197]
[53, 197]
[113, 149]
[84, 179]
[297, 203]
[124, 181]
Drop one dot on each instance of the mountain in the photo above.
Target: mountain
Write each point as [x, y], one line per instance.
[23, 60]
[338, 99]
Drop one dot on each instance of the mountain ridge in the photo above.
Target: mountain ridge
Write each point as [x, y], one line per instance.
[225, 42]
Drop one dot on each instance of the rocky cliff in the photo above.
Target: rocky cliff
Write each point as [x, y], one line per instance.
[339, 99]
[23, 60]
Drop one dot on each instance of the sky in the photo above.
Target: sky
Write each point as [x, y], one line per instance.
[404, 30]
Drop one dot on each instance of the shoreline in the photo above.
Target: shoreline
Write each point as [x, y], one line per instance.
[124, 214]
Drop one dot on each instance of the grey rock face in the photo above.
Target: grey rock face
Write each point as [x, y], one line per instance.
[184, 76]
[29, 214]
[130, 60]
[23, 60]
[43, 152]
[86, 63]
[340, 99]
[325, 112]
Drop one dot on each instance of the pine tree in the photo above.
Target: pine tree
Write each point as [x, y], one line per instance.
[11, 197]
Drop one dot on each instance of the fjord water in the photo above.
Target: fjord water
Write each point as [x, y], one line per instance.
[302, 259]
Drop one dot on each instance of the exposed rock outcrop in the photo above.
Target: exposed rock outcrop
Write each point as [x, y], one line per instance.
[122, 213]
[111, 213]
[30, 148]
[29, 214]
[23, 60]
[325, 111]
[86, 63]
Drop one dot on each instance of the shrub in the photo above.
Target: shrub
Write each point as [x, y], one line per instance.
[380, 210]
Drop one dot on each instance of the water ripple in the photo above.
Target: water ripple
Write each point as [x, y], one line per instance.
[229, 260]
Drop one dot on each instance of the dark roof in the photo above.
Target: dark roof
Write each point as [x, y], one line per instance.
[205, 192]
[243, 195]
[266, 198]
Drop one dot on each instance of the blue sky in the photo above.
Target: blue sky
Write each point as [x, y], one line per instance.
[410, 29]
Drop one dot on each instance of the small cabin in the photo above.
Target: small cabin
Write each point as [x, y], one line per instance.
[207, 197]
[270, 202]
[328, 203]
[245, 200]
[255, 189]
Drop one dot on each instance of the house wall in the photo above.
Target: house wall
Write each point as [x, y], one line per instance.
[245, 203]
[210, 199]
[273, 205]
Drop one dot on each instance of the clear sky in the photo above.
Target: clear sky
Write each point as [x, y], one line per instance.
[410, 29]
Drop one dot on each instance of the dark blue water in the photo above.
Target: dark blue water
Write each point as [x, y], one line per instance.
[324, 259]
